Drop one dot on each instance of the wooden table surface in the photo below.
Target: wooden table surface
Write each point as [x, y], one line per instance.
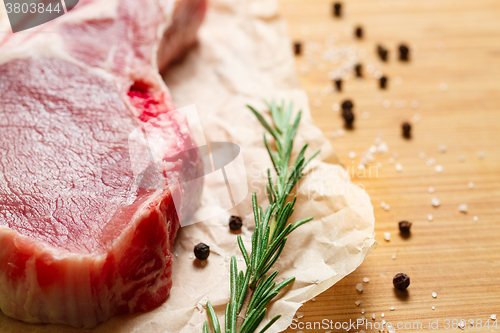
[454, 75]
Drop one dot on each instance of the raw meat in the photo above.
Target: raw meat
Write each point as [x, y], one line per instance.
[81, 240]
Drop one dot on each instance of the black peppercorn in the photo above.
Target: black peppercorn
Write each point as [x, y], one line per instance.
[338, 84]
[383, 82]
[348, 116]
[201, 251]
[358, 69]
[401, 281]
[382, 53]
[404, 227]
[235, 223]
[406, 130]
[358, 32]
[337, 9]
[347, 104]
[297, 47]
[403, 52]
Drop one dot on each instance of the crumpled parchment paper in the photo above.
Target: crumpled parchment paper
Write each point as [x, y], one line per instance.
[244, 56]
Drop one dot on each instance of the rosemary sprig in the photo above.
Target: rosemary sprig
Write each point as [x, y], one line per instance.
[253, 289]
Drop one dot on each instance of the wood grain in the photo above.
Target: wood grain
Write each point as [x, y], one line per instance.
[453, 42]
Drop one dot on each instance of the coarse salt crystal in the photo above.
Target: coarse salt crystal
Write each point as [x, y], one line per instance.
[433, 308]
[357, 303]
[480, 155]
[373, 316]
[421, 155]
[398, 80]
[387, 236]
[430, 162]
[382, 315]
[391, 329]
[475, 218]
[429, 217]
[461, 158]
[340, 132]
[386, 104]
[359, 287]
[493, 317]
[398, 167]
[434, 294]
[435, 202]
[352, 155]
[394, 256]
[471, 185]
[392, 308]
[387, 207]
[361, 167]
[414, 104]
[366, 280]
[442, 148]
[391, 160]
[431, 190]
[462, 208]
[336, 106]
[382, 148]
[362, 311]
[462, 324]
[299, 314]
[443, 86]
[438, 168]
[365, 115]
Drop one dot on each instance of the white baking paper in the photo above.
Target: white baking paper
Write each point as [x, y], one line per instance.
[244, 56]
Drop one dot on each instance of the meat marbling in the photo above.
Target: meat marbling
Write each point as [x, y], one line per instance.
[80, 240]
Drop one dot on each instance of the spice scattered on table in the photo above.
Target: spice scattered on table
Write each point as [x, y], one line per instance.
[359, 287]
[383, 82]
[401, 281]
[338, 84]
[475, 218]
[404, 227]
[297, 48]
[392, 308]
[431, 190]
[359, 70]
[435, 202]
[493, 317]
[387, 236]
[442, 149]
[374, 316]
[366, 280]
[438, 168]
[462, 208]
[337, 9]
[235, 223]
[201, 251]
[382, 52]
[480, 155]
[406, 130]
[430, 217]
[434, 295]
[404, 52]
[348, 116]
[347, 105]
[357, 303]
[352, 155]
[398, 167]
[358, 32]
[433, 308]
[471, 185]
